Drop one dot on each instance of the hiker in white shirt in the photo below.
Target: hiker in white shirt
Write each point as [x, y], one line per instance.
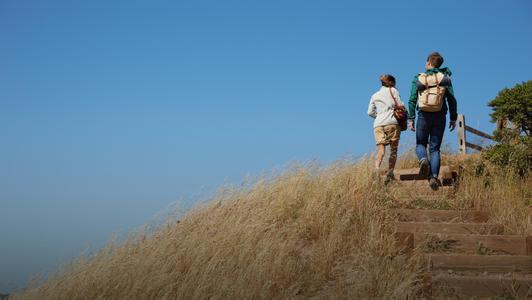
[385, 127]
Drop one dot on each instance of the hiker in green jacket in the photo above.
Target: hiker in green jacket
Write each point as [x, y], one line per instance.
[431, 96]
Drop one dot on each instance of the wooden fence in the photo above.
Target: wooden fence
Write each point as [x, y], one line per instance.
[463, 144]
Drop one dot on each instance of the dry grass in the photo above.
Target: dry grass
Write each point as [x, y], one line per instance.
[506, 196]
[310, 232]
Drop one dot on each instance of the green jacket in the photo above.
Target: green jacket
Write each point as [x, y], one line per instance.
[449, 96]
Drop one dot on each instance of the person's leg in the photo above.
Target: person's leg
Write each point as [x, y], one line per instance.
[436, 138]
[394, 146]
[380, 141]
[423, 126]
[380, 155]
[422, 135]
[391, 161]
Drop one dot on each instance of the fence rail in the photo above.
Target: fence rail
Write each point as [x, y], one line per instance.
[463, 144]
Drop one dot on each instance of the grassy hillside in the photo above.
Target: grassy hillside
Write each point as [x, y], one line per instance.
[309, 232]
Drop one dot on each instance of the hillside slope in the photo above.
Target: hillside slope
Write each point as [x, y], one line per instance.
[308, 232]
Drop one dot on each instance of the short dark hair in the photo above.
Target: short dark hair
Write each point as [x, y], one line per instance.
[387, 80]
[435, 59]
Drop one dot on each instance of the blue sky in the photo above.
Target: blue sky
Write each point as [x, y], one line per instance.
[112, 110]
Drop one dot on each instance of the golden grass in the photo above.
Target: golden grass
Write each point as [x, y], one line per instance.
[309, 232]
[506, 196]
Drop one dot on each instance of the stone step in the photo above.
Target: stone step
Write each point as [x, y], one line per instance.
[438, 215]
[473, 243]
[449, 228]
[481, 263]
[447, 285]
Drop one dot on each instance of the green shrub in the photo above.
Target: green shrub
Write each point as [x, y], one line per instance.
[515, 155]
[515, 105]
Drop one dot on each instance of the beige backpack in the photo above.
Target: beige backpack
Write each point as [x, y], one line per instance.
[431, 99]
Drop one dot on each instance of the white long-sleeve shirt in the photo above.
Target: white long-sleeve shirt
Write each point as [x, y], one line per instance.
[381, 107]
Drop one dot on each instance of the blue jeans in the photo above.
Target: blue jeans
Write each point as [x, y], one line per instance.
[429, 130]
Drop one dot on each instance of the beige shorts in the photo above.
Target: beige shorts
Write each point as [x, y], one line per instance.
[385, 134]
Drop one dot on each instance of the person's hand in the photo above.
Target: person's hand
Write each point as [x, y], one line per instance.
[452, 125]
[411, 125]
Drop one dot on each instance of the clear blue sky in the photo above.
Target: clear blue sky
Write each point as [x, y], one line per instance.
[112, 110]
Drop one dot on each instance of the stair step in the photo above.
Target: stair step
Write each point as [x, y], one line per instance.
[437, 215]
[474, 243]
[425, 202]
[481, 286]
[405, 241]
[433, 198]
[481, 263]
[413, 174]
[422, 189]
[450, 228]
[420, 183]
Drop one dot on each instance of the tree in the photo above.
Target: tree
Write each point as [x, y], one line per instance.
[514, 150]
[514, 105]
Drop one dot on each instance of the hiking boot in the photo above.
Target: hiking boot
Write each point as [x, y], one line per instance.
[389, 177]
[424, 168]
[434, 183]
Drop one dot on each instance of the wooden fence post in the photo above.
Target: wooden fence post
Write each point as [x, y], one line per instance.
[461, 134]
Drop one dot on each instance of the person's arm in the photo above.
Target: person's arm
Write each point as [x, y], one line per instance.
[451, 101]
[412, 101]
[372, 109]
